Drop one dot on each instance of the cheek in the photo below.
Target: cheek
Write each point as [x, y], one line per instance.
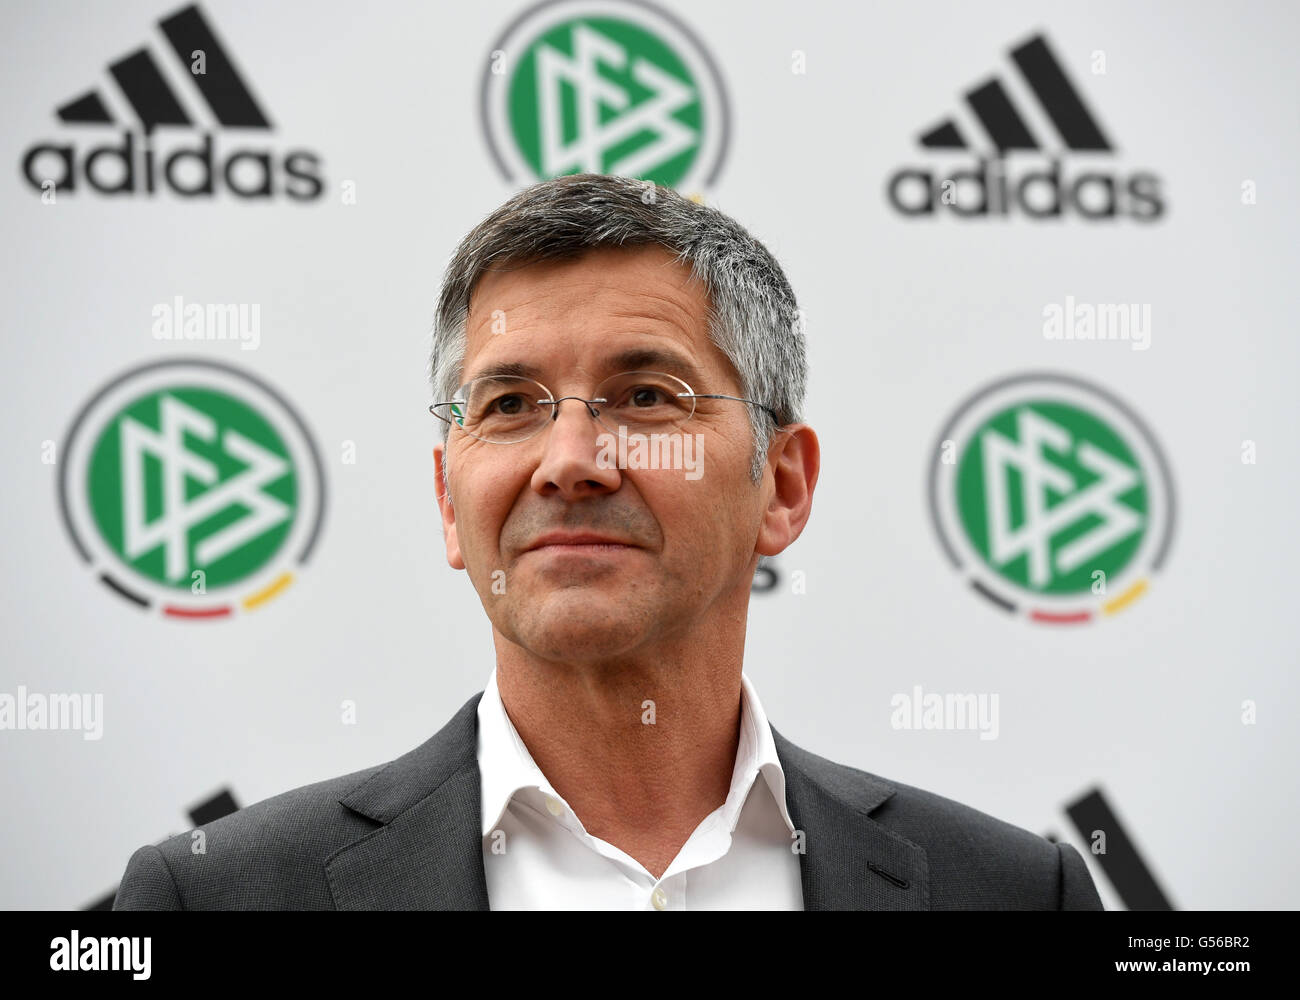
[484, 496]
[697, 514]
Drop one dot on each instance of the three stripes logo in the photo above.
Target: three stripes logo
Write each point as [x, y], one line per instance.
[1036, 112]
[149, 94]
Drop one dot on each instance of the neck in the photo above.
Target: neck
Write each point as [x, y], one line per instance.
[642, 749]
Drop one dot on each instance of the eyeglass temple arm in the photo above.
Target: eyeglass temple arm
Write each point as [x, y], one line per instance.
[738, 399]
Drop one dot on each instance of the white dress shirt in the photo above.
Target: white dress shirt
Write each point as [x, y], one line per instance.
[537, 856]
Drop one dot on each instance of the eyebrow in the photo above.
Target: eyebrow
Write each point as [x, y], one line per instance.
[634, 359]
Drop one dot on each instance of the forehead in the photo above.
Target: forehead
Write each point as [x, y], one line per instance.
[609, 303]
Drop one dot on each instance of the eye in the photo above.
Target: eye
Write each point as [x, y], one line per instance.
[647, 395]
[509, 405]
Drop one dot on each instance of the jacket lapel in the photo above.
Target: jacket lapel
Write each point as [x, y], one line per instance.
[850, 862]
[428, 852]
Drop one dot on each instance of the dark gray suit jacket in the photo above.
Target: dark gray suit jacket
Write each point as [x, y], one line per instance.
[406, 835]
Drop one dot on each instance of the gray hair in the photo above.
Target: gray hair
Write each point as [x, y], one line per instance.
[753, 319]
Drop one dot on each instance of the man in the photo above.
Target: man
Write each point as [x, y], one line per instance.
[619, 373]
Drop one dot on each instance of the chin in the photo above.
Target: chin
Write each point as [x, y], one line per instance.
[578, 623]
[577, 645]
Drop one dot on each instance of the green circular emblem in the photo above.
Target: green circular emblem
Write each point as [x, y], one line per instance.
[1071, 500]
[187, 479]
[192, 487]
[604, 86]
[1053, 497]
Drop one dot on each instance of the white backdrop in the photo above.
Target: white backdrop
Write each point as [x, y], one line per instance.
[906, 318]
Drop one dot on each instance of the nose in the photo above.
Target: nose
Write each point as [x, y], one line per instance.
[569, 465]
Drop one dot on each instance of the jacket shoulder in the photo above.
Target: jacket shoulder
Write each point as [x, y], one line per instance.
[273, 854]
[268, 855]
[974, 860]
[979, 861]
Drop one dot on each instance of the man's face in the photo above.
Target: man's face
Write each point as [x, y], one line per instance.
[688, 545]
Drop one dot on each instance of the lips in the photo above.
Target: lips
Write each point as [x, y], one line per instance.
[577, 538]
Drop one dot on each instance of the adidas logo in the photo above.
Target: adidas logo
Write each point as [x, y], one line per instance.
[142, 91]
[986, 188]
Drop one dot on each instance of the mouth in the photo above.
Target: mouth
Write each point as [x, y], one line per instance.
[571, 546]
[579, 543]
[584, 548]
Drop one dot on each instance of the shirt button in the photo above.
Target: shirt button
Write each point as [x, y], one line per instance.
[554, 806]
[659, 898]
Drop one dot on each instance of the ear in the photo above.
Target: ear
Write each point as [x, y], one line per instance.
[794, 461]
[445, 507]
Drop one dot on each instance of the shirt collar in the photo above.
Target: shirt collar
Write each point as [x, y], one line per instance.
[506, 766]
